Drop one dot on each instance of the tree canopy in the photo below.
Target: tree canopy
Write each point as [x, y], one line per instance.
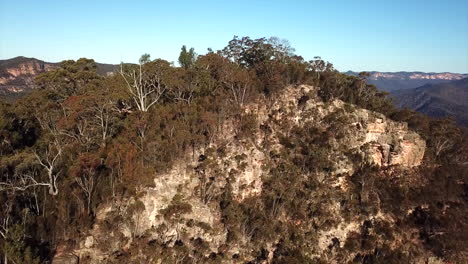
[82, 140]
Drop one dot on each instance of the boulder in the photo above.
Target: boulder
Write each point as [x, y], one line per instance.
[66, 259]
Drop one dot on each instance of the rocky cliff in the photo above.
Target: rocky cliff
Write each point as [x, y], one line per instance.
[180, 209]
[17, 74]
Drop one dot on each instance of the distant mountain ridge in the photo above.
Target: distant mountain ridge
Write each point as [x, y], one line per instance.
[448, 99]
[392, 81]
[17, 74]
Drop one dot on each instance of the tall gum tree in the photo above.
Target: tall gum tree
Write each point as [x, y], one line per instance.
[144, 81]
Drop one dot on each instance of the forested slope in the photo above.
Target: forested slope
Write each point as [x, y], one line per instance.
[437, 100]
[249, 154]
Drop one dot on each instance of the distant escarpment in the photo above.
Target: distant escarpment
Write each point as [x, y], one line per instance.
[392, 81]
[17, 75]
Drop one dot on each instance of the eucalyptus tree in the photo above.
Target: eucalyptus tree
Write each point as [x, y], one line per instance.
[187, 58]
[145, 81]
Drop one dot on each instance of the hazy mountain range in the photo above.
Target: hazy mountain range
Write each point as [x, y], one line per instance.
[391, 81]
[435, 94]
[437, 100]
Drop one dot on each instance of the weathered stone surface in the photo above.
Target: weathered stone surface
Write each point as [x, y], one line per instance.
[370, 135]
[393, 144]
[383, 141]
[89, 242]
[66, 259]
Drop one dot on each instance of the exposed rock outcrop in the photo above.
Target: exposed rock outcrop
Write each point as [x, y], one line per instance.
[17, 74]
[66, 259]
[192, 183]
[384, 142]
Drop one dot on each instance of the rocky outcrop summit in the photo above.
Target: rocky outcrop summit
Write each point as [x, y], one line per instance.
[179, 207]
[385, 142]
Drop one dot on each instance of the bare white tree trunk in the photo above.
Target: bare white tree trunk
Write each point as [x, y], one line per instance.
[145, 90]
[239, 92]
[5, 224]
[102, 118]
[49, 161]
[441, 145]
[87, 183]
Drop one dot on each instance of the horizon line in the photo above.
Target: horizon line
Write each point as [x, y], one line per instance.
[346, 71]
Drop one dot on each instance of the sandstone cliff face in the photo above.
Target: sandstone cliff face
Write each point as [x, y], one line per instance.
[29, 68]
[192, 183]
[418, 75]
[17, 75]
[384, 142]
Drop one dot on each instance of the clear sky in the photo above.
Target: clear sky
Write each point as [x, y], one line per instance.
[391, 35]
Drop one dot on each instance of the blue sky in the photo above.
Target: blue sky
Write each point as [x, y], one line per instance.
[392, 35]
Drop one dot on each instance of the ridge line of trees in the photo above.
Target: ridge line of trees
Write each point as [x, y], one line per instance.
[82, 140]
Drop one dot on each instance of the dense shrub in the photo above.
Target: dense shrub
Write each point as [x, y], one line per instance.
[94, 139]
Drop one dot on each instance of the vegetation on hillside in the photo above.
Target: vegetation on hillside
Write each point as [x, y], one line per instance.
[83, 140]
